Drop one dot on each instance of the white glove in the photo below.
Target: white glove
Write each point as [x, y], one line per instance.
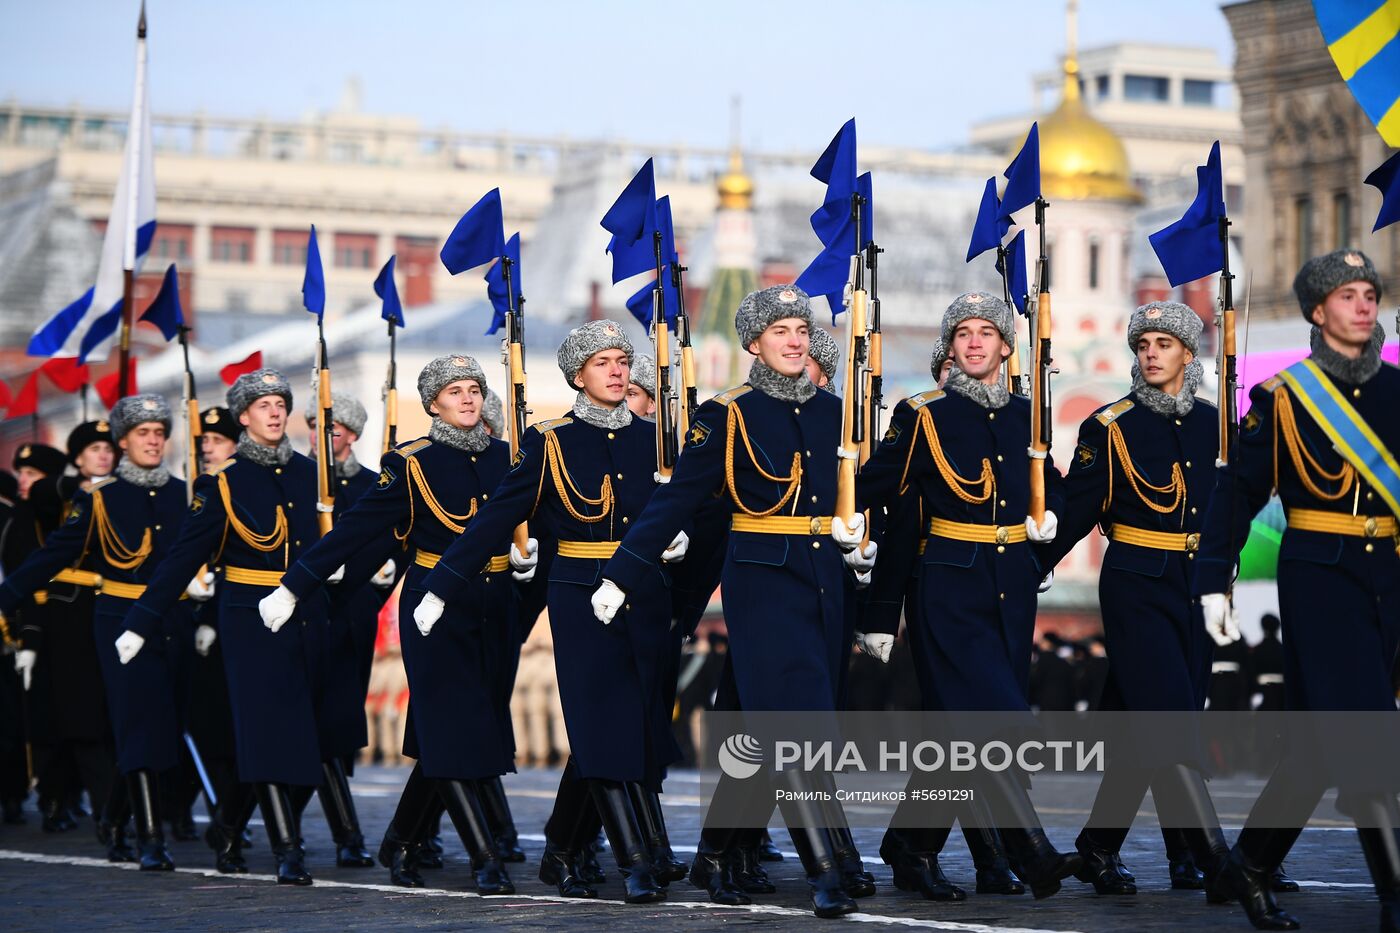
[847, 537]
[24, 664]
[204, 637]
[385, 575]
[277, 607]
[675, 552]
[607, 599]
[1045, 532]
[523, 565]
[428, 612]
[1221, 621]
[338, 575]
[128, 646]
[201, 588]
[862, 579]
[1048, 582]
[876, 644]
[861, 560]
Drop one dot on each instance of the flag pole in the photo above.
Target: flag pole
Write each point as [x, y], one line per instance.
[133, 188]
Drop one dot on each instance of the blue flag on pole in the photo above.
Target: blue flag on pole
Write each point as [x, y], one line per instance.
[1363, 38]
[1022, 177]
[496, 284]
[836, 168]
[989, 228]
[388, 292]
[640, 303]
[1190, 249]
[1015, 271]
[165, 311]
[828, 273]
[1386, 180]
[478, 238]
[632, 222]
[313, 283]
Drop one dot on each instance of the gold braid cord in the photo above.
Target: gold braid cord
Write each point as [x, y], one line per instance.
[793, 479]
[114, 551]
[265, 543]
[564, 485]
[416, 480]
[1286, 422]
[987, 479]
[1117, 444]
[6, 638]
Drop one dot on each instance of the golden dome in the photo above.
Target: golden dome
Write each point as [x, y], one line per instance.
[735, 187]
[1080, 158]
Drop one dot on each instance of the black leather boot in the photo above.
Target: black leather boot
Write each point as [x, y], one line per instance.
[858, 881]
[400, 856]
[818, 855]
[225, 832]
[559, 867]
[767, 851]
[747, 862]
[401, 849]
[994, 874]
[430, 847]
[1180, 793]
[283, 834]
[1280, 882]
[1380, 841]
[1101, 867]
[112, 826]
[464, 808]
[344, 822]
[143, 790]
[713, 868]
[1245, 876]
[1036, 861]
[493, 800]
[916, 868]
[55, 817]
[625, 837]
[647, 805]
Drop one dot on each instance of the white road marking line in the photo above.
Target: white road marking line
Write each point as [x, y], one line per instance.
[761, 909]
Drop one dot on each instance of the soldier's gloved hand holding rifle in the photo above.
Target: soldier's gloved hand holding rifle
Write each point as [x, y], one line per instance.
[523, 565]
[876, 644]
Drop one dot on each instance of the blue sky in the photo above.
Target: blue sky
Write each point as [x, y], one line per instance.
[663, 72]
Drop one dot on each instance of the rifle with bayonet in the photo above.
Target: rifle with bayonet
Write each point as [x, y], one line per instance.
[193, 428]
[666, 448]
[1042, 368]
[517, 410]
[689, 399]
[391, 395]
[874, 373]
[855, 418]
[1225, 350]
[325, 431]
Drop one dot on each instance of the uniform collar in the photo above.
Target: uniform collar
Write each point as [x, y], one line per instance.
[1348, 370]
[249, 449]
[991, 396]
[153, 478]
[599, 416]
[786, 388]
[474, 439]
[1169, 406]
[347, 468]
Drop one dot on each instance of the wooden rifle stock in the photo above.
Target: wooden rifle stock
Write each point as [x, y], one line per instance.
[1040, 406]
[853, 408]
[325, 455]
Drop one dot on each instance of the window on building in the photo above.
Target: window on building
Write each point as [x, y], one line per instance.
[289, 247]
[1145, 88]
[173, 243]
[1197, 93]
[355, 250]
[1094, 264]
[1101, 86]
[1302, 229]
[231, 244]
[1341, 220]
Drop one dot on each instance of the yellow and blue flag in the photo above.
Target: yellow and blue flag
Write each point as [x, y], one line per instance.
[1363, 37]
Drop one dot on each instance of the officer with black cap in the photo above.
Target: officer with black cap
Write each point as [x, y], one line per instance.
[218, 435]
[1323, 433]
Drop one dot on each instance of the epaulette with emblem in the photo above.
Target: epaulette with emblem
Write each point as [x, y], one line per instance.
[1272, 383]
[412, 447]
[1112, 412]
[923, 398]
[223, 466]
[544, 427]
[724, 398]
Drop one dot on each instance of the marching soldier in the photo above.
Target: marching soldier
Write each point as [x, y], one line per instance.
[493, 415]
[253, 518]
[641, 387]
[823, 356]
[427, 492]
[964, 449]
[1143, 470]
[783, 588]
[1323, 433]
[584, 479]
[119, 531]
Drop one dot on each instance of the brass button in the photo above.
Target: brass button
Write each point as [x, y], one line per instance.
[1191, 556]
[153, 492]
[277, 470]
[290, 504]
[1193, 510]
[797, 411]
[473, 458]
[487, 578]
[611, 435]
[625, 519]
[1370, 547]
[626, 605]
[1370, 495]
[1188, 464]
[1001, 596]
[814, 498]
[809, 453]
[1001, 549]
[296, 543]
[1355, 393]
[998, 458]
[345, 482]
[157, 528]
[619, 476]
[991, 416]
[484, 497]
[816, 545]
[1002, 503]
[1178, 421]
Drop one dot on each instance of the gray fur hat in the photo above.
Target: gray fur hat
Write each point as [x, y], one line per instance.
[138, 409]
[586, 340]
[937, 358]
[644, 373]
[493, 412]
[344, 410]
[445, 370]
[825, 350]
[982, 306]
[250, 387]
[1322, 275]
[760, 309]
[1166, 317]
